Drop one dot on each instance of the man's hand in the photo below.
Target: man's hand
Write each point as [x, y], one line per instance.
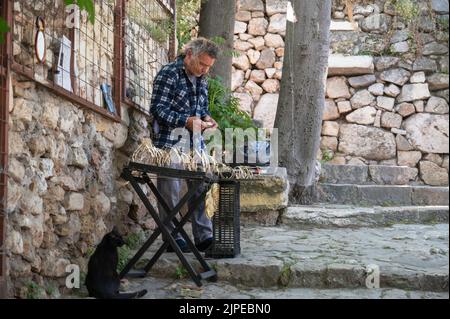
[212, 124]
[195, 124]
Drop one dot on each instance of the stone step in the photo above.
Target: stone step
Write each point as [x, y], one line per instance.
[332, 216]
[368, 175]
[410, 257]
[350, 65]
[163, 288]
[381, 195]
[343, 26]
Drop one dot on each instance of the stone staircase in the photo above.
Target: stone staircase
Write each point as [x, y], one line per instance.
[409, 257]
[376, 185]
[368, 217]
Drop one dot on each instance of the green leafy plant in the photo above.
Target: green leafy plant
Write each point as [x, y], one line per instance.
[286, 274]
[442, 23]
[158, 33]
[187, 13]
[409, 13]
[224, 107]
[159, 28]
[134, 241]
[87, 5]
[181, 272]
[407, 9]
[4, 28]
[34, 291]
[124, 256]
[327, 156]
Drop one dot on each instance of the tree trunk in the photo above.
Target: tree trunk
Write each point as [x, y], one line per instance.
[217, 20]
[302, 96]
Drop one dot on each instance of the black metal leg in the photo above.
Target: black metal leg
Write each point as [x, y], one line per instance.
[179, 225]
[179, 228]
[128, 176]
[162, 228]
[195, 277]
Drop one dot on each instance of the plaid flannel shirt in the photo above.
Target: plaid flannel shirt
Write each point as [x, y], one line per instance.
[174, 101]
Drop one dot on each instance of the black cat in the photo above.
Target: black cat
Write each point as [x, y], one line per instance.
[102, 280]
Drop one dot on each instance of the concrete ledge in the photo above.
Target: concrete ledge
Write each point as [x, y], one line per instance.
[350, 65]
[340, 216]
[271, 193]
[381, 195]
[368, 175]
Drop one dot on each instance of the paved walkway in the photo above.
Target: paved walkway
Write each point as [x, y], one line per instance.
[409, 257]
[160, 288]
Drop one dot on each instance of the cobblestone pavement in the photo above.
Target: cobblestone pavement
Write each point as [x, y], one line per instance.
[160, 288]
[409, 257]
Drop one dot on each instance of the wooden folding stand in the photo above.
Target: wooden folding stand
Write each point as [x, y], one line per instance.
[138, 174]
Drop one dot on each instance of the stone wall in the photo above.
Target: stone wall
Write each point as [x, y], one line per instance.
[65, 192]
[387, 91]
[64, 188]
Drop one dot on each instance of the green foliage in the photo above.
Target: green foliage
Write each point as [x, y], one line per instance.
[286, 274]
[87, 5]
[4, 28]
[327, 156]
[407, 9]
[224, 107]
[442, 23]
[181, 272]
[187, 12]
[159, 33]
[51, 291]
[124, 256]
[34, 291]
[132, 242]
[135, 241]
[90, 251]
[82, 278]
[158, 28]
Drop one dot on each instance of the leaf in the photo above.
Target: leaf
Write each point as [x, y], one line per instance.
[4, 28]
[87, 5]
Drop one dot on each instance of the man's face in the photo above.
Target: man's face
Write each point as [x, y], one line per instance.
[199, 65]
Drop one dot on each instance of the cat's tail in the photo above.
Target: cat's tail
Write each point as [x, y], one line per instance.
[131, 295]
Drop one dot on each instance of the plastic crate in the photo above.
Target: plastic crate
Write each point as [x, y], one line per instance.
[226, 223]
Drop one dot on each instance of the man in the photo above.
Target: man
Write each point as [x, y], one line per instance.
[180, 100]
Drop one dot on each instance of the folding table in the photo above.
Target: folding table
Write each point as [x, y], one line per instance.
[138, 174]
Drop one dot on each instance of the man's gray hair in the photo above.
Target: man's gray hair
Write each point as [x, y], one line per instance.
[201, 45]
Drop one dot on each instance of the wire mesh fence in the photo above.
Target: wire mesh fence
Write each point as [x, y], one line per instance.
[102, 64]
[77, 55]
[148, 30]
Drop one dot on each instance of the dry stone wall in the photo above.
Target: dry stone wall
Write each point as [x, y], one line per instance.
[387, 90]
[64, 187]
[65, 192]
